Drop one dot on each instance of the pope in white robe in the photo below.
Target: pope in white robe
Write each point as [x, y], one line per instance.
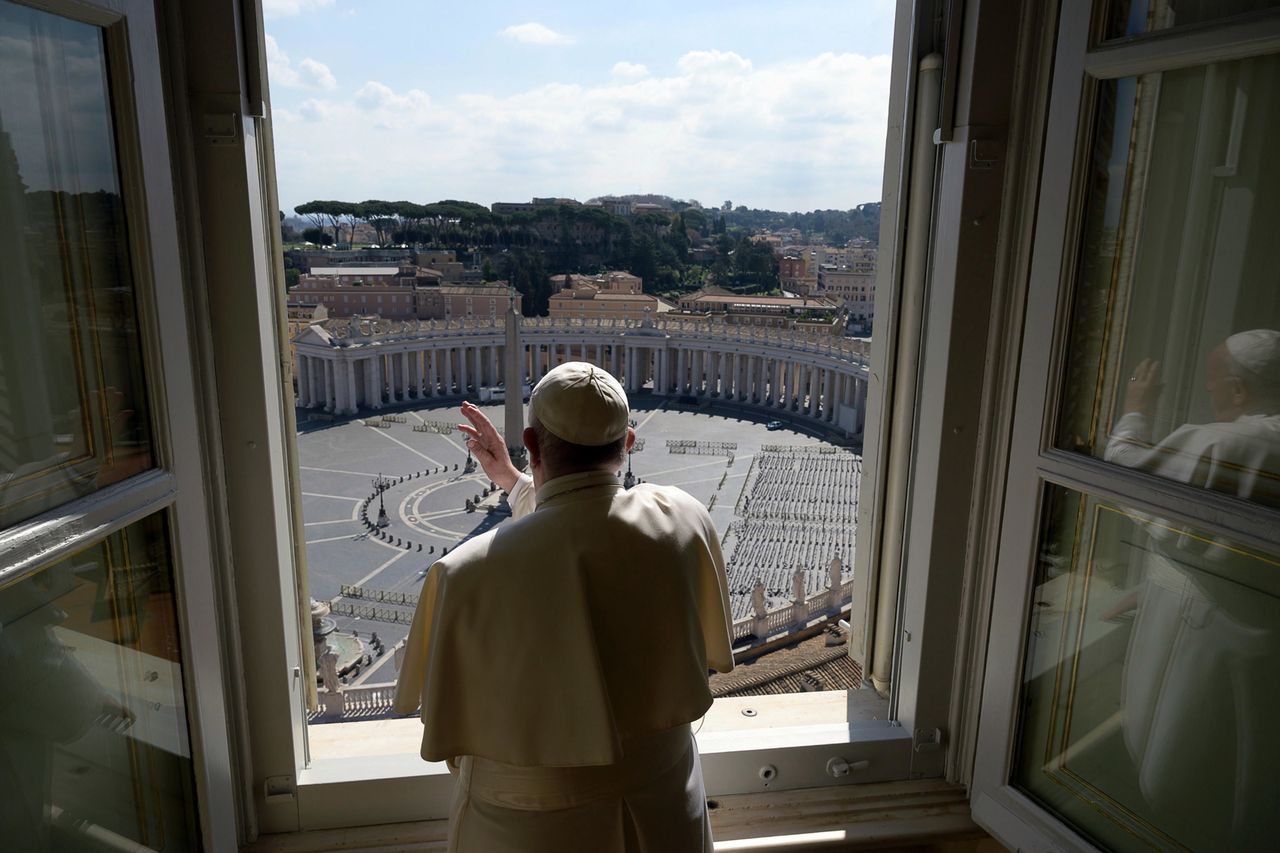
[559, 660]
[1200, 684]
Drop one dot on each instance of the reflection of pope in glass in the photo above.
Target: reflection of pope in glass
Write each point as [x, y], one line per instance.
[1202, 671]
[1239, 453]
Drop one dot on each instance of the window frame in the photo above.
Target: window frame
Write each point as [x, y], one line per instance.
[1080, 62]
[177, 483]
[245, 376]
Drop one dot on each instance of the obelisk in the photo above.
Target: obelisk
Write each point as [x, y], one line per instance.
[513, 372]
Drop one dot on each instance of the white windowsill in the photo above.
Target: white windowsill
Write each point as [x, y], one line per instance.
[389, 747]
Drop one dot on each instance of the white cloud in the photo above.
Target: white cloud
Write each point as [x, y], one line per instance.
[798, 135]
[316, 75]
[288, 8]
[309, 74]
[393, 108]
[629, 70]
[535, 33]
[713, 62]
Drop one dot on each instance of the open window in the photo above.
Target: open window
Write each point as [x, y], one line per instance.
[1125, 689]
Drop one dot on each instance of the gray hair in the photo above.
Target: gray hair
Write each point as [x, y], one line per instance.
[567, 457]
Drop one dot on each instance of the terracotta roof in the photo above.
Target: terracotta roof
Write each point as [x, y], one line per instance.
[804, 666]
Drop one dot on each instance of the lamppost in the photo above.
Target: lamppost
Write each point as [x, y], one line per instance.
[380, 485]
[629, 480]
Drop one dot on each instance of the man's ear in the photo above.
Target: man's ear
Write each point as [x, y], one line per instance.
[1239, 391]
[530, 437]
[631, 438]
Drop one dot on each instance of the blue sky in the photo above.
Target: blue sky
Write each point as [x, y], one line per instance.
[770, 105]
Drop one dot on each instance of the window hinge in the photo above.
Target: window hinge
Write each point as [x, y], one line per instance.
[278, 789]
[927, 741]
[220, 128]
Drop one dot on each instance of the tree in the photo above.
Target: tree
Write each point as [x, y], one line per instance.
[527, 273]
[317, 236]
[644, 261]
[316, 213]
[487, 272]
[379, 215]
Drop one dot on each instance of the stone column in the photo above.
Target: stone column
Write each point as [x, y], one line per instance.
[829, 395]
[860, 404]
[680, 370]
[326, 378]
[815, 388]
[446, 372]
[304, 392]
[493, 364]
[337, 390]
[349, 372]
[433, 375]
[315, 378]
[379, 381]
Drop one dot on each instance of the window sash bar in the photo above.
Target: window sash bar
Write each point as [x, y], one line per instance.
[1219, 42]
[37, 543]
[1217, 512]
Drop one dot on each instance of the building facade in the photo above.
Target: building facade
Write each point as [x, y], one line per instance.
[783, 312]
[397, 293]
[344, 366]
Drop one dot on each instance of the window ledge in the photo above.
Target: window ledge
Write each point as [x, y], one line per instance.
[861, 817]
[730, 721]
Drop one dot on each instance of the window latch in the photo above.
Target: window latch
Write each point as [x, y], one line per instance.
[926, 741]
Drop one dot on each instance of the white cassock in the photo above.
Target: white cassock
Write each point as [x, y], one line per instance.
[558, 662]
[1202, 673]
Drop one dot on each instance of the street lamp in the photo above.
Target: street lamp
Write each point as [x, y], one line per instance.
[629, 480]
[380, 485]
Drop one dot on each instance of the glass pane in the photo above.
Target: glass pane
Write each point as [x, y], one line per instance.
[73, 412]
[1174, 360]
[1147, 718]
[94, 751]
[1135, 17]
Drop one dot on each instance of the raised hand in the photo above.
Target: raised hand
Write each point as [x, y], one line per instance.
[487, 446]
[1143, 390]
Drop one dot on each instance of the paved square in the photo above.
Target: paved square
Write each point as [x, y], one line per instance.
[426, 502]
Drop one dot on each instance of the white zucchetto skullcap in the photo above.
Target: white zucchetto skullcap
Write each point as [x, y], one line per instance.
[1257, 351]
[580, 403]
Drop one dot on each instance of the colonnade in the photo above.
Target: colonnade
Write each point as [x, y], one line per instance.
[345, 375]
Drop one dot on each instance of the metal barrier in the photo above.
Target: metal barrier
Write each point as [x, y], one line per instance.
[679, 447]
[372, 613]
[436, 427]
[383, 596]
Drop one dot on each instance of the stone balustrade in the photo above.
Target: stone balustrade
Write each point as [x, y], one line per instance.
[373, 700]
[798, 615]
